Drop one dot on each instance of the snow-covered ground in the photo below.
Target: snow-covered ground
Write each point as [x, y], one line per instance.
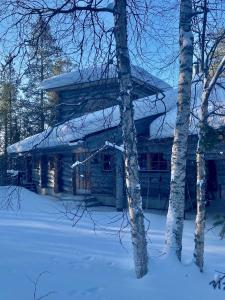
[40, 247]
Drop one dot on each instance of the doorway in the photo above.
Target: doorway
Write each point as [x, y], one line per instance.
[81, 174]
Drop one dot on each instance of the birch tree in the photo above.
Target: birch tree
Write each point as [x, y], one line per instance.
[175, 215]
[90, 33]
[208, 85]
[208, 25]
[129, 141]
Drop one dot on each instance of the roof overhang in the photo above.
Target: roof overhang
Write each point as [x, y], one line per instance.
[144, 83]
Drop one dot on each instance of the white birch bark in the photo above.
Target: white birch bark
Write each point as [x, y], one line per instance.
[175, 214]
[201, 186]
[201, 165]
[129, 141]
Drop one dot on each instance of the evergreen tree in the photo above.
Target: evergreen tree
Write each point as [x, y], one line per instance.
[44, 58]
[8, 103]
[10, 132]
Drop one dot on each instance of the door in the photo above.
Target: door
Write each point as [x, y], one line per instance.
[81, 174]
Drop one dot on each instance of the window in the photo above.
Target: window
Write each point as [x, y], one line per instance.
[107, 162]
[158, 162]
[152, 162]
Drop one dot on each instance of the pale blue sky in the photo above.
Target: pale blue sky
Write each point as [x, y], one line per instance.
[159, 45]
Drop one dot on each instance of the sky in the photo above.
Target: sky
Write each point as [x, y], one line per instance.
[154, 46]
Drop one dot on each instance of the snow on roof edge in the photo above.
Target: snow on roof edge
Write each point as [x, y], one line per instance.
[98, 73]
[163, 126]
[79, 128]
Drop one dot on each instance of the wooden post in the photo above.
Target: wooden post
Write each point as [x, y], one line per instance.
[120, 199]
[43, 171]
[57, 174]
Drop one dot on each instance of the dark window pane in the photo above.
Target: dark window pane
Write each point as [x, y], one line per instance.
[158, 162]
[107, 162]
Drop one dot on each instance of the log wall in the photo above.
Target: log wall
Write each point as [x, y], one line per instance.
[77, 102]
[102, 182]
[51, 172]
[155, 184]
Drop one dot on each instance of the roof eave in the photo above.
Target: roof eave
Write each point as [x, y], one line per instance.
[148, 88]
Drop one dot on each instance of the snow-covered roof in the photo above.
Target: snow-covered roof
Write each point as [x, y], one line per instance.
[76, 129]
[163, 126]
[97, 73]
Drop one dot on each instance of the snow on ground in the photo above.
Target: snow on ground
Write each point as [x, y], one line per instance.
[80, 263]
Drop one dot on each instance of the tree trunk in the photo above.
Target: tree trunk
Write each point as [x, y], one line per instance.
[175, 216]
[129, 140]
[208, 85]
[201, 181]
[120, 205]
[4, 180]
[42, 117]
[200, 216]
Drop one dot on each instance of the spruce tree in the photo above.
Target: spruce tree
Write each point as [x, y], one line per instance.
[9, 86]
[10, 132]
[43, 56]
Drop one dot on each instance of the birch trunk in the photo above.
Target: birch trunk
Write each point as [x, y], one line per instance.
[4, 166]
[201, 166]
[129, 140]
[201, 181]
[175, 216]
[42, 113]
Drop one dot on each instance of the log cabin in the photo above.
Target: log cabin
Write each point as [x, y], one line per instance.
[81, 157]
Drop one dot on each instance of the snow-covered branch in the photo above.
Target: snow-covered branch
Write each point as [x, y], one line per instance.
[77, 163]
[113, 145]
[106, 145]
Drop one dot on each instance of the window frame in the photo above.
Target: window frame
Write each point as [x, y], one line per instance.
[110, 162]
[153, 165]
